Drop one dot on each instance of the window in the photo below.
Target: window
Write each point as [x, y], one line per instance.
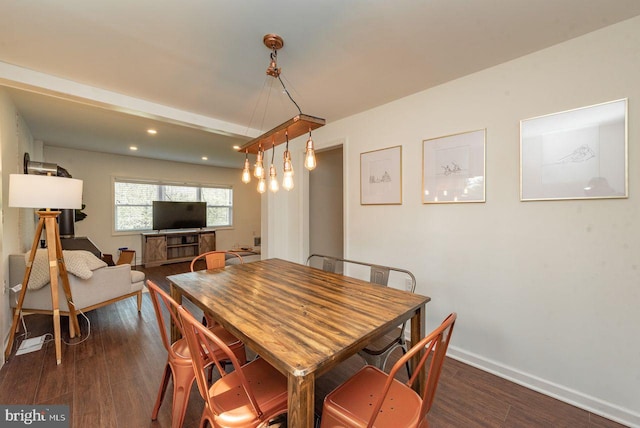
[133, 202]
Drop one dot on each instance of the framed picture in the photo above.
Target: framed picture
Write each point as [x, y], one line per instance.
[453, 168]
[381, 177]
[576, 154]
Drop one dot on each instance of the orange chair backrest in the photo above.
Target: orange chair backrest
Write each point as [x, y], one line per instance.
[214, 259]
[160, 299]
[434, 345]
[203, 346]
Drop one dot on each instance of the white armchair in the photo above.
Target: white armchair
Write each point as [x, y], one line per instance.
[106, 285]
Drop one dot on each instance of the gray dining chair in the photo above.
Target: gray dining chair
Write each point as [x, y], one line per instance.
[329, 263]
[378, 351]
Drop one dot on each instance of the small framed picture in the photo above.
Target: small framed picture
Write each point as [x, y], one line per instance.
[381, 177]
[576, 154]
[453, 168]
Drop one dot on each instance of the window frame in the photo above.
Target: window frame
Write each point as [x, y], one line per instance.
[160, 183]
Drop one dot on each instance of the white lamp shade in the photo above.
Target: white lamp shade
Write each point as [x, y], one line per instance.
[44, 191]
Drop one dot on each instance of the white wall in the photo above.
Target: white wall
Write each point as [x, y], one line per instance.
[97, 170]
[547, 293]
[18, 224]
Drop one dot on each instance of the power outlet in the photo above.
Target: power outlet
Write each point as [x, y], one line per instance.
[407, 284]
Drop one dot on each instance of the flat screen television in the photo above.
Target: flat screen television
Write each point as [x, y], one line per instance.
[179, 215]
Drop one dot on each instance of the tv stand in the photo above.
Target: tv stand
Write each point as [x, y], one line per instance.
[159, 248]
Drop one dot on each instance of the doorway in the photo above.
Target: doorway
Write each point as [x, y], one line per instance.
[326, 231]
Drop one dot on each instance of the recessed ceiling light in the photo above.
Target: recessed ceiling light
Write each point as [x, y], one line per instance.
[204, 158]
[134, 148]
[151, 131]
[236, 147]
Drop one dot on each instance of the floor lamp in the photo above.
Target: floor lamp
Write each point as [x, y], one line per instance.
[38, 191]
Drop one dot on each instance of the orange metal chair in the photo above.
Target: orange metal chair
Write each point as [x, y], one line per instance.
[179, 365]
[373, 396]
[214, 259]
[251, 395]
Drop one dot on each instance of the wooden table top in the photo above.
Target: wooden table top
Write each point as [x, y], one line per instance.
[301, 319]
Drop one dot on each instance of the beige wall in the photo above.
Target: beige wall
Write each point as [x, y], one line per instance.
[547, 293]
[18, 224]
[98, 169]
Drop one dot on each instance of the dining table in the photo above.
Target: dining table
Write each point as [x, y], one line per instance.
[302, 320]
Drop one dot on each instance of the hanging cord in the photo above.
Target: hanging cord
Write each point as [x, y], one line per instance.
[264, 113]
[289, 95]
[273, 152]
[255, 107]
[274, 71]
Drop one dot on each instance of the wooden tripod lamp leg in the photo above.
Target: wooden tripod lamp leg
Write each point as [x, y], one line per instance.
[56, 267]
[23, 290]
[50, 226]
[74, 327]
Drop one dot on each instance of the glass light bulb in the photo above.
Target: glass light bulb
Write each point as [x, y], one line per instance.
[246, 174]
[262, 185]
[287, 181]
[288, 167]
[273, 179]
[310, 156]
[258, 170]
[310, 160]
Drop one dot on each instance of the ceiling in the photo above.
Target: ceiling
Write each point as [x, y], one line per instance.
[95, 75]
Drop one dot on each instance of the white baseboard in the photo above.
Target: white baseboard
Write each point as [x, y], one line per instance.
[562, 393]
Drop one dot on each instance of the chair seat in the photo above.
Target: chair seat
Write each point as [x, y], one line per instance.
[181, 347]
[231, 405]
[351, 403]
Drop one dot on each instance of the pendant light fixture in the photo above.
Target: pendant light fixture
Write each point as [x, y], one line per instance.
[246, 173]
[262, 184]
[310, 155]
[258, 169]
[287, 173]
[273, 176]
[294, 127]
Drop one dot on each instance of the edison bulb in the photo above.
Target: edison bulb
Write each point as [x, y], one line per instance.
[310, 156]
[258, 169]
[287, 181]
[273, 179]
[246, 174]
[262, 185]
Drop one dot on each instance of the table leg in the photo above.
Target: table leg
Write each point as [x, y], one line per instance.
[177, 296]
[301, 401]
[417, 333]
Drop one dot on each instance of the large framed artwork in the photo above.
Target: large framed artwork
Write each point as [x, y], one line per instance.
[453, 168]
[576, 154]
[381, 177]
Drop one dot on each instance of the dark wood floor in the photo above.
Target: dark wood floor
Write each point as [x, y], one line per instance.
[112, 378]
